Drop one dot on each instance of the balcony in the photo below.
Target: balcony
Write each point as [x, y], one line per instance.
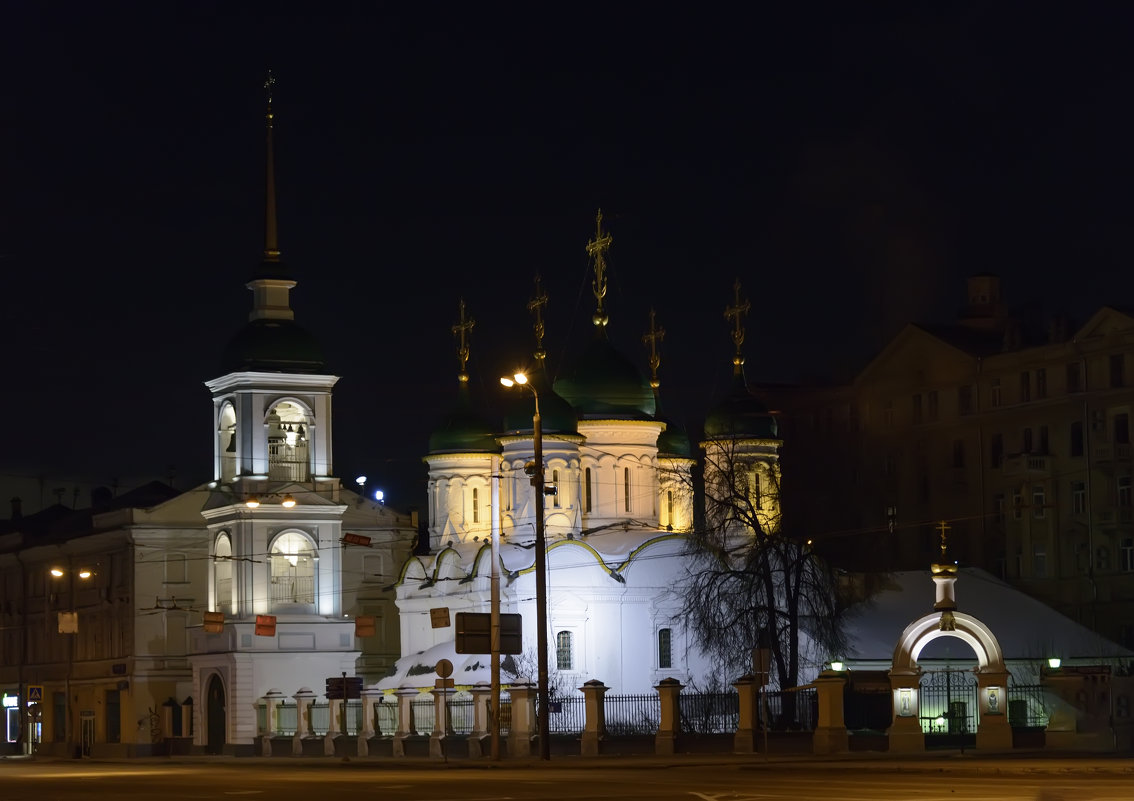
[1111, 452]
[1026, 463]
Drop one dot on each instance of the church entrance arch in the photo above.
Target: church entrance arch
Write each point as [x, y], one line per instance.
[917, 694]
[216, 724]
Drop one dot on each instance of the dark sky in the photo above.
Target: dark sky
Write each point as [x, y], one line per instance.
[851, 165]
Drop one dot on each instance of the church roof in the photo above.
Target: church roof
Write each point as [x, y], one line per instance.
[741, 414]
[273, 345]
[605, 384]
[464, 430]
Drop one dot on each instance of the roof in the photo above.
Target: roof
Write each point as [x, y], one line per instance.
[273, 345]
[605, 384]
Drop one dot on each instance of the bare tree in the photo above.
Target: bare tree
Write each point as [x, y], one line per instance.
[752, 581]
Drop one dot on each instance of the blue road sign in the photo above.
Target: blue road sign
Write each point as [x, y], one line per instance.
[35, 693]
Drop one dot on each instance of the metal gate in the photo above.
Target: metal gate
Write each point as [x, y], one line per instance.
[949, 703]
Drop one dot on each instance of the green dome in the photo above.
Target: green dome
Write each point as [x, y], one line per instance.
[463, 431]
[605, 384]
[556, 414]
[674, 442]
[741, 416]
[270, 345]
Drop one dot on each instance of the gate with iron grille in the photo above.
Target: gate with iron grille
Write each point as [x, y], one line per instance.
[949, 707]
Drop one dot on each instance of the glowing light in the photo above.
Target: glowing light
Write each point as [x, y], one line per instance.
[288, 502]
[940, 721]
[56, 572]
[252, 502]
[1054, 662]
[379, 496]
[84, 574]
[360, 481]
[837, 666]
[11, 700]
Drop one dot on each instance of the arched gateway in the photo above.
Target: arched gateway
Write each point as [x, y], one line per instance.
[905, 731]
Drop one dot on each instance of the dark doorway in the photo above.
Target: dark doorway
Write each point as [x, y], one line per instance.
[215, 713]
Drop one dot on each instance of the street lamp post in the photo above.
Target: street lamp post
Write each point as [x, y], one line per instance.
[540, 567]
[84, 574]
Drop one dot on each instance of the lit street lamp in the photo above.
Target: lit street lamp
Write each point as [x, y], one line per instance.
[70, 632]
[540, 566]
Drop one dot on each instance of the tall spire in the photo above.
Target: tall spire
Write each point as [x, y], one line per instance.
[535, 305]
[735, 313]
[597, 249]
[271, 237]
[461, 331]
[655, 335]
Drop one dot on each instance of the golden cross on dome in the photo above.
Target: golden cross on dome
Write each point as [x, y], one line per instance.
[656, 335]
[461, 330]
[536, 305]
[943, 527]
[268, 84]
[597, 249]
[735, 313]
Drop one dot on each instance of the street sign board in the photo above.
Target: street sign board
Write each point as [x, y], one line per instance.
[35, 693]
[443, 668]
[265, 626]
[356, 539]
[213, 622]
[340, 687]
[439, 617]
[474, 633]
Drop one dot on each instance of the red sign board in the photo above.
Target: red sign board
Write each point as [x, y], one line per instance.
[266, 625]
[356, 539]
[365, 626]
[214, 622]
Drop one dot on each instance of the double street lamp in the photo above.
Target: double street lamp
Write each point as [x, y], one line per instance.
[536, 473]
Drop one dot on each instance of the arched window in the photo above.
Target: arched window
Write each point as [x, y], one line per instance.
[665, 649]
[287, 442]
[222, 575]
[564, 651]
[555, 484]
[293, 570]
[587, 489]
[475, 505]
[626, 486]
[226, 442]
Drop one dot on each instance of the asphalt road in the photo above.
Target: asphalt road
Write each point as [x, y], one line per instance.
[1082, 780]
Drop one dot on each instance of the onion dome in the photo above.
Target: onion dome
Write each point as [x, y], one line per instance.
[674, 442]
[607, 385]
[556, 414]
[741, 415]
[464, 430]
[273, 345]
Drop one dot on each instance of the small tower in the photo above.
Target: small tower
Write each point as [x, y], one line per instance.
[675, 453]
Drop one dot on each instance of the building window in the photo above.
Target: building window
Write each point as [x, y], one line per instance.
[996, 450]
[59, 717]
[1041, 383]
[113, 717]
[996, 399]
[933, 405]
[958, 453]
[1039, 560]
[1074, 377]
[1025, 387]
[1027, 444]
[917, 408]
[587, 489]
[1017, 505]
[890, 465]
[1077, 438]
[965, 400]
[1117, 379]
[888, 414]
[1078, 498]
[998, 506]
[555, 486]
[475, 505]
[1042, 439]
[669, 508]
[1126, 554]
[1039, 503]
[665, 653]
[564, 655]
[626, 486]
[1122, 429]
[1123, 498]
[757, 490]
[1102, 558]
[222, 574]
[292, 569]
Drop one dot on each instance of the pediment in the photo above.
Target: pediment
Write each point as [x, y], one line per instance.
[1106, 322]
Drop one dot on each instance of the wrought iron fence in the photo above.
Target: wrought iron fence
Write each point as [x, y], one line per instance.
[789, 710]
[1026, 706]
[948, 702]
[632, 714]
[568, 714]
[709, 713]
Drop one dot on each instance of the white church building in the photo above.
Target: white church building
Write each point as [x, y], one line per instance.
[618, 504]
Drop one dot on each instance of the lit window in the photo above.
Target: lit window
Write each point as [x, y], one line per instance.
[1078, 497]
[1039, 502]
[587, 489]
[564, 658]
[475, 505]
[1123, 491]
[555, 485]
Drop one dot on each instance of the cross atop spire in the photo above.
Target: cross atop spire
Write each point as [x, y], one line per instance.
[461, 331]
[535, 305]
[597, 249]
[943, 527]
[271, 235]
[655, 335]
[735, 314]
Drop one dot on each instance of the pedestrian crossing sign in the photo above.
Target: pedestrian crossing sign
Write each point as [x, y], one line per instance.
[35, 693]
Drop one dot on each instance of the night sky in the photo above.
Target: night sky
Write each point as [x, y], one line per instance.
[850, 165]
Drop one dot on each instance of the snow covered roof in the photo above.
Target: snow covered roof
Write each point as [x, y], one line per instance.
[1025, 628]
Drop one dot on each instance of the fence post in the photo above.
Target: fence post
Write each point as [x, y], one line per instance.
[669, 692]
[366, 730]
[905, 734]
[830, 735]
[333, 707]
[481, 694]
[993, 730]
[523, 719]
[304, 698]
[594, 722]
[744, 741]
[272, 699]
[442, 727]
[406, 728]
